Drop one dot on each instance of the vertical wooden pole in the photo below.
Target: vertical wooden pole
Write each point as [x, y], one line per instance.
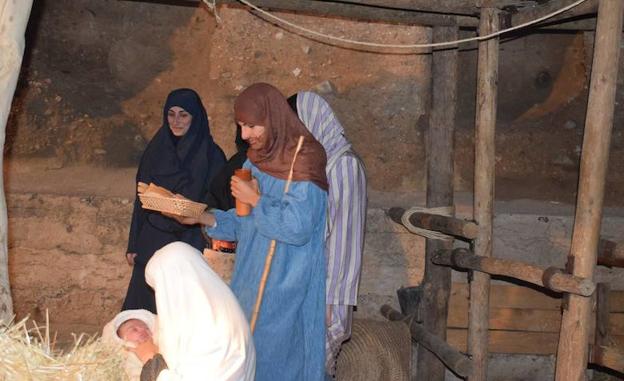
[440, 160]
[14, 16]
[487, 78]
[575, 323]
[602, 331]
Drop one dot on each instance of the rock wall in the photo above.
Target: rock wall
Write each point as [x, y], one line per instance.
[97, 73]
[66, 254]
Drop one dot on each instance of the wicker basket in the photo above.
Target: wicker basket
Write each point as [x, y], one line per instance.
[177, 206]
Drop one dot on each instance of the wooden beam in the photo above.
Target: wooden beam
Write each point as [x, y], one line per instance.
[455, 361]
[610, 253]
[356, 11]
[551, 278]
[435, 222]
[459, 7]
[573, 342]
[530, 14]
[609, 357]
[425, 13]
[487, 78]
[440, 170]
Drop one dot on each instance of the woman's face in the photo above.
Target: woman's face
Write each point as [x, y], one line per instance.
[254, 135]
[179, 120]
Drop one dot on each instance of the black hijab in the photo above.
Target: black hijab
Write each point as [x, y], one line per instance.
[186, 164]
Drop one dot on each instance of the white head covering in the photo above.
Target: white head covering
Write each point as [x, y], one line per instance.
[132, 364]
[202, 330]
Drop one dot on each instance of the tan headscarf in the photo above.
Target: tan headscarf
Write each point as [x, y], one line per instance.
[263, 105]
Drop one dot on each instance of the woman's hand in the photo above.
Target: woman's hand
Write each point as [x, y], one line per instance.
[245, 191]
[206, 219]
[145, 350]
[130, 258]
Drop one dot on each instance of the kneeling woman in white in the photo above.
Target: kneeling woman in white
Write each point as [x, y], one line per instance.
[202, 331]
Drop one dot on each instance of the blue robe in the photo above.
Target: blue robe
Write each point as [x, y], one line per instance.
[290, 331]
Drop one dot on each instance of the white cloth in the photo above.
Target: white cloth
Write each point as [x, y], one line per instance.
[202, 331]
[132, 364]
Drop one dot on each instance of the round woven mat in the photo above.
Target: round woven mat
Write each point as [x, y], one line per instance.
[377, 351]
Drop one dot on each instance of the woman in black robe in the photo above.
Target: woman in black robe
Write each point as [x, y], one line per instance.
[183, 158]
[220, 195]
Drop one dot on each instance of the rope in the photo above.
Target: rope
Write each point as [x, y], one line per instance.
[441, 211]
[407, 46]
[213, 8]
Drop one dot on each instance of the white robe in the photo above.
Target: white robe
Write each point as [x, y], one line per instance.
[202, 331]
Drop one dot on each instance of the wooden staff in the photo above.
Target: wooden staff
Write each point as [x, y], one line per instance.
[269, 257]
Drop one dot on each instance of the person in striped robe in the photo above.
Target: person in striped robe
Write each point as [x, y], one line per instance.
[346, 218]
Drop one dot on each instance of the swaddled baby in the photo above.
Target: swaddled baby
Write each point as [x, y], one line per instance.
[129, 329]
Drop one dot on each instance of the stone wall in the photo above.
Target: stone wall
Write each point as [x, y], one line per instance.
[66, 254]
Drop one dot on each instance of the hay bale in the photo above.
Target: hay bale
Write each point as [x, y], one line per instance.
[30, 355]
[377, 351]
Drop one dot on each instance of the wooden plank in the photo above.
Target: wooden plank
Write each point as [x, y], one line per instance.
[575, 324]
[616, 323]
[509, 341]
[610, 357]
[508, 296]
[516, 342]
[529, 320]
[610, 253]
[440, 169]
[616, 301]
[602, 316]
[511, 319]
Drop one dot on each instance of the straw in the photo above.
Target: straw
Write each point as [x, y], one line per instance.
[28, 354]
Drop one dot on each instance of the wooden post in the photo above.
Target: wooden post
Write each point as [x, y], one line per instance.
[602, 334]
[454, 360]
[440, 143]
[487, 78]
[575, 324]
[13, 20]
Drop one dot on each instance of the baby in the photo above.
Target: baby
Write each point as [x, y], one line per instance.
[134, 331]
[129, 329]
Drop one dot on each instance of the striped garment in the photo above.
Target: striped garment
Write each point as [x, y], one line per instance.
[346, 217]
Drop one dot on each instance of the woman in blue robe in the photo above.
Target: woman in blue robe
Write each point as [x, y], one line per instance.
[290, 331]
[183, 158]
